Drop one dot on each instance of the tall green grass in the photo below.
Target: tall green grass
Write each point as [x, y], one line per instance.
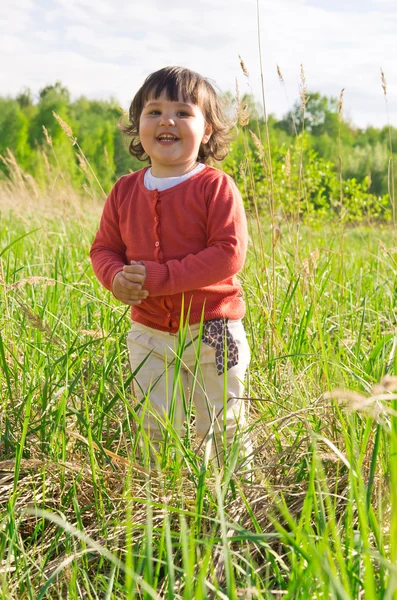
[84, 512]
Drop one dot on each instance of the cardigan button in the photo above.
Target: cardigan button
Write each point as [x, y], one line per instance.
[157, 244]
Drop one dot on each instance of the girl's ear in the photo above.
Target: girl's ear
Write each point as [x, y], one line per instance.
[207, 133]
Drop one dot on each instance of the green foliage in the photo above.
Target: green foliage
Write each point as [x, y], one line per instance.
[14, 129]
[317, 144]
[82, 509]
[304, 185]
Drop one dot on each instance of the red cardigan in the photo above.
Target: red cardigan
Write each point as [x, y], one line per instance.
[192, 239]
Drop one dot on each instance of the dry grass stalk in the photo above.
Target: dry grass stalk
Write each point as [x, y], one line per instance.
[390, 174]
[383, 79]
[309, 265]
[243, 172]
[238, 97]
[13, 168]
[34, 319]
[303, 89]
[243, 67]
[32, 281]
[47, 136]
[280, 75]
[242, 110]
[387, 251]
[67, 129]
[340, 104]
[258, 144]
[82, 162]
[385, 391]
[288, 167]
[112, 455]
[243, 115]
[276, 235]
[92, 333]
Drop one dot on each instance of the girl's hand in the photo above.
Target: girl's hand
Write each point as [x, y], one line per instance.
[128, 283]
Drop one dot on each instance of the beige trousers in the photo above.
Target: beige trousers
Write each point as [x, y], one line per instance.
[170, 375]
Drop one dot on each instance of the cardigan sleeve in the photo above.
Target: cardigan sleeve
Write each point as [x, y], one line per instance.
[225, 253]
[108, 252]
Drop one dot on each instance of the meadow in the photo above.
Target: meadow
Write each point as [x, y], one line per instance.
[83, 511]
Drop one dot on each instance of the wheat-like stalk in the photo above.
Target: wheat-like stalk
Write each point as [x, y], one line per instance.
[340, 104]
[242, 109]
[280, 75]
[391, 162]
[244, 115]
[258, 144]
[47, 136]
[383, 79]
[303, 89]
[238, 97]
[68, 130]
[288, 167]
[82, 161]
[243, 67]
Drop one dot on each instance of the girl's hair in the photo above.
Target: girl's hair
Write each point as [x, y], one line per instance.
[192, 87]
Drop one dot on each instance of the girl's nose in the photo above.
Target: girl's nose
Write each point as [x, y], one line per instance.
[167, 121]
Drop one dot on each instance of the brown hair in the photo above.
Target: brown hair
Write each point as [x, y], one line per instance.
[192, 87]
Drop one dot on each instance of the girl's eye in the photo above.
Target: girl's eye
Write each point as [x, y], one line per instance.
[183, 113]
[154, 112]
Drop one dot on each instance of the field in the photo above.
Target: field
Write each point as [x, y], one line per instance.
[83, 513]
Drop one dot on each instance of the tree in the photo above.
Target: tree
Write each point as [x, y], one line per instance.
[319, 117]
[13, 129]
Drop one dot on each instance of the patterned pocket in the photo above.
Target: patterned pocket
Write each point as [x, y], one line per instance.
[214, 334]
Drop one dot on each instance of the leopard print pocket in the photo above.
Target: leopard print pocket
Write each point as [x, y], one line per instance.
[214, 334]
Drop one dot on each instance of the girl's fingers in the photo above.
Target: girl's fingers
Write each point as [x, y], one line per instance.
[135, 269]
[133, 277]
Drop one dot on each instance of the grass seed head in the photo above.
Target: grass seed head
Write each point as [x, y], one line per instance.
[238, 98]
[67, 129]
[303, 89]
[280, 75]
[309, 265]
[276, 235]
[288, 166]
[258, 144]
[383, 79]
[46, 281]
[340, 104]
[243, 67]
[47, 136]
[242, 171]
[243, 115]
[82, 162]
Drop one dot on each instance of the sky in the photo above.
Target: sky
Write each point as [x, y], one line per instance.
[106, 48]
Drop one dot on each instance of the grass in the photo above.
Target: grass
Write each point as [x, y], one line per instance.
[83, 514]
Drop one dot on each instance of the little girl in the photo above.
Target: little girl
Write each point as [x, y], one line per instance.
[172, 238]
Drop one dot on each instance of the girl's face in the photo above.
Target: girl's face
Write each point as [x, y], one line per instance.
[171, 133]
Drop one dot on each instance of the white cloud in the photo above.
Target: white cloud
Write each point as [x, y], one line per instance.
[104, 48]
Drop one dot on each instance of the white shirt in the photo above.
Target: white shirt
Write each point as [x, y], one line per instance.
[164, 183]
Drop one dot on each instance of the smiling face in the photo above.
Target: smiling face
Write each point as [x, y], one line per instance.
[171, 133]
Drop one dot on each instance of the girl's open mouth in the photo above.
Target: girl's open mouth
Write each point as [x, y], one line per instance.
[167, 138]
